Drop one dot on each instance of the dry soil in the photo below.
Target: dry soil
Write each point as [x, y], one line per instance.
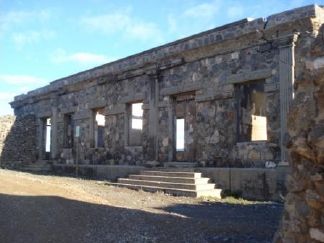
[43, 208]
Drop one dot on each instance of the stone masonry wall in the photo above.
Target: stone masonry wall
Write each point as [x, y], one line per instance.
[211, 67]
[18, 141]
[6, 123]
[303, 218]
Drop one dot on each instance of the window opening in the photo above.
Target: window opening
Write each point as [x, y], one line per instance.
[100, 122]
[252, 112]
[137, 116]
[48, 129]
[180, 134]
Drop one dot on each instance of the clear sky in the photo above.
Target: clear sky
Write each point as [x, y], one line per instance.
[43, 40]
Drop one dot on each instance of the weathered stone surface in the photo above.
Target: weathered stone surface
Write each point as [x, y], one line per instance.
[305, 200]
[212, 66]
[18, 141]
[6, 123]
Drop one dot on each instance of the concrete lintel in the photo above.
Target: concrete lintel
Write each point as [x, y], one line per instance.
[216, 93]
[133, 98]
[82, 115]
[97, 104]
[68, 110]
[249, 76]
[180, 89]
[45, 114]
[218, 96]
[116, 109]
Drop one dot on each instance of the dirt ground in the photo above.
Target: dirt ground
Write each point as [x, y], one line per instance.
[40, 208]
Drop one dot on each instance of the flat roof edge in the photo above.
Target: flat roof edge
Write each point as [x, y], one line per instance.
[240, 27]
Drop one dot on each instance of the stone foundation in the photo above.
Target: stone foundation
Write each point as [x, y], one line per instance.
[249, 183]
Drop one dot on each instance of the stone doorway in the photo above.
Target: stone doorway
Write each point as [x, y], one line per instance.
[184, 127]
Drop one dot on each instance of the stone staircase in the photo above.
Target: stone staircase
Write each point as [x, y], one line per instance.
[178, 183]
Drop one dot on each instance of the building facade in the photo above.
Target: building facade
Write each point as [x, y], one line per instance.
[219, 98]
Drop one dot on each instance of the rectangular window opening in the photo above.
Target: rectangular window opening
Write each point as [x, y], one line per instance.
[48, 129]
[180, 134]
[99, 127]
[135, 123]
[137, 116]
[252, 112]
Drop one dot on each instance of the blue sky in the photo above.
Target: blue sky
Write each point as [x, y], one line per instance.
[43, 40]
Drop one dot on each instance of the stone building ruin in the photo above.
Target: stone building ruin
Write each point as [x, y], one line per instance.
[219, 98]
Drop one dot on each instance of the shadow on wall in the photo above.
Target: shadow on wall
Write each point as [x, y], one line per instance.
[56, 219]
[17, 141]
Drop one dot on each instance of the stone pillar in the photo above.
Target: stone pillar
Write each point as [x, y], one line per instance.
[286, 80]
[171, 128]
[91, 129]
[40, 138]
[54, 133]
[153, 113]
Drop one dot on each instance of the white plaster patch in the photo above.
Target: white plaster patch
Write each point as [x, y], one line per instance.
[166, 98]
[235, 55]
[315, 64]
[218, 60]
[195, 77]
[165, 142]
[316, 234]
[214, 138]
[273, 71]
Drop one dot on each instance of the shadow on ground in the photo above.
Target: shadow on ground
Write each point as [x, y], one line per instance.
[55, 219]
[226, 222]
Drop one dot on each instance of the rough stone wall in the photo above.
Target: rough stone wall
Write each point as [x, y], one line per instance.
[18, 141]
[303, 218]
[6, 123]
[216, 105]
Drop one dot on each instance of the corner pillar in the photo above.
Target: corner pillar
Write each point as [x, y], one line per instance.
[286, 80]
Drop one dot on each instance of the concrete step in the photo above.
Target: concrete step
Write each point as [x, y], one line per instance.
[174, 164]
[161, 184]
[173, 191]
[172, 174]
[170, 179]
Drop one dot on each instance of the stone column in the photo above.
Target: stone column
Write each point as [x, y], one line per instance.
[171, 127]
[40, 138]
[54, 133]
[286, 80]
[153, 112]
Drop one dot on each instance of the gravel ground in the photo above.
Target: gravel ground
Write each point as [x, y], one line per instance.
[38, 208]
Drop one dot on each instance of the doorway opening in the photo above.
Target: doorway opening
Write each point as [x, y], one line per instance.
[180, 133]
[184, 127]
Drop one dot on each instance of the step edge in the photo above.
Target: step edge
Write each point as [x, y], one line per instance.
[164, 188]
[166, 182]
[170, 177]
